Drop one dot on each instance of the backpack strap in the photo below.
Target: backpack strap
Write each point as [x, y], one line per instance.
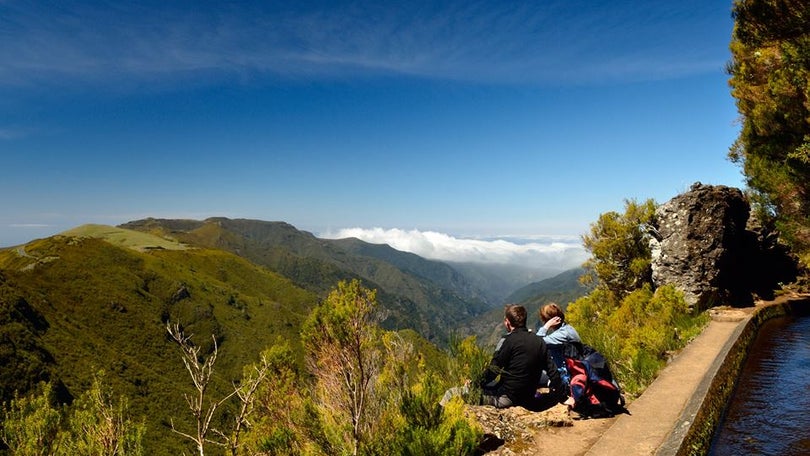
[573, 350]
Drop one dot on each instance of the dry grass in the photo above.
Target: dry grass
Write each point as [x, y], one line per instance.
[135, 240]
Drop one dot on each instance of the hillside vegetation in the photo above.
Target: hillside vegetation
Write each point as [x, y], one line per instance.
[634, 324]
[95, 303]
[88, 313]
[72, 306]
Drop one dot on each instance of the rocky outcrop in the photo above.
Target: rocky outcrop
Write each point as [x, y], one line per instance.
[703, 245]
[180, 294]
[513, 430]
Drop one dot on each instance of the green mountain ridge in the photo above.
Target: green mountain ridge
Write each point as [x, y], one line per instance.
[561, 288]
[441, 273]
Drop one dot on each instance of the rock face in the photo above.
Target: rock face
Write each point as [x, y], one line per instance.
[702, 245]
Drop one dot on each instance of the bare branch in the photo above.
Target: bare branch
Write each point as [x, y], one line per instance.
[201, 375]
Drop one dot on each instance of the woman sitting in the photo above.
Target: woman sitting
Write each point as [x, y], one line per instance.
[561, 339]
[555, 331]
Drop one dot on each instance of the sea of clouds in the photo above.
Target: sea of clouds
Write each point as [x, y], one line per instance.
[541, 252]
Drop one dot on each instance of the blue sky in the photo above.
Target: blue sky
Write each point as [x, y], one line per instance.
[473, 120]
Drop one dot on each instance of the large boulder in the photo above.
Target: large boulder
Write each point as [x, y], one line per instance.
[703, 246]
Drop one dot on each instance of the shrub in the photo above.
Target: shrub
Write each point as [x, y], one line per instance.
[31, 423]
[637, 333]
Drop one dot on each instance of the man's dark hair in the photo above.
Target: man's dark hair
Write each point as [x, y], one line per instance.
[516, 315]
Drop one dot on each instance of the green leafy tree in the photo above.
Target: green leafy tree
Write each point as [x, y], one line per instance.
[373, 392]
[620, 251]
[466, 363]
[410, 420]
[246, 390]
[770, 79]
[31, 424]
[430, 428]
[203, 406]
[94, 425]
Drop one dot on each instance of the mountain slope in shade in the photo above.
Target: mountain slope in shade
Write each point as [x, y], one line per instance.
[441, 274]
[562, 289]
[500, 280]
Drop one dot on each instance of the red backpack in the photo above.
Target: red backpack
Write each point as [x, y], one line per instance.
[596, 393]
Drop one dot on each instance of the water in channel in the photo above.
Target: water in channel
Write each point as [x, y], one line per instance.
[769, 412]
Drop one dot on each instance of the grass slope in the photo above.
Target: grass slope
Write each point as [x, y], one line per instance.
[98, 298]
[125, 238]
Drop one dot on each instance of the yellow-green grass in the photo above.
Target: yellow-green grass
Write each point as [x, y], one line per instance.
[136, 240]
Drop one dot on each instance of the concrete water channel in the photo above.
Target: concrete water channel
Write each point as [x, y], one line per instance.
[721, 382]
[769, 411]
[681, 410]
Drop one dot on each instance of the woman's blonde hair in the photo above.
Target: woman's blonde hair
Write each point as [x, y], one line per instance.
[551, 310]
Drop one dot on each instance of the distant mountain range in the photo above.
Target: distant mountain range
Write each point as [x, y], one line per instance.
[98, 297]
[425, 295]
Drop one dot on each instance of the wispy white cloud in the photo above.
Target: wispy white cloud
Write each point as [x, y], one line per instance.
[560, 252]
[10, 133]
[500, 42]
[28, 225]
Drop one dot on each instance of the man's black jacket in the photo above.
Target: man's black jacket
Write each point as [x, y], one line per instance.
[520, 358]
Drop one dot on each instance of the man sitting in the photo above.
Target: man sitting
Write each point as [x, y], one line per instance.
[519, 359]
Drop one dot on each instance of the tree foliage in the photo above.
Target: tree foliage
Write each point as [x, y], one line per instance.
[284, 420]
[373, 392]
[430, 428]
[31, 424]
[638, 332]
[468, 360]
[94, 425]
[619, 246]
[200, 403]
[101, 426]
[770, 79]
[344, 354]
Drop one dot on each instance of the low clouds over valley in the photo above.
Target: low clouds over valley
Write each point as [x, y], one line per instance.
[536, 252]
